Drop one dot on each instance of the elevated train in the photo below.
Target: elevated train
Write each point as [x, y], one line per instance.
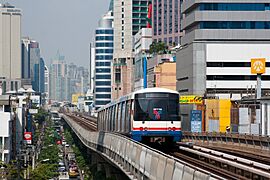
[147, 115]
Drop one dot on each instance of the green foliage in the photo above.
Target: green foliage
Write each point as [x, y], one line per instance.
[41, 115]
[44, 171]
[158, 48]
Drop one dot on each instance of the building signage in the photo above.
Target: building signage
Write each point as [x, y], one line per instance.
[33, 111]
[27, 137]
[258, 66]
[196, 121]
[191, 99]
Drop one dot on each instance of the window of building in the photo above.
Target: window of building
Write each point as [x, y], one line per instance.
[123, 15]
[103, 83]
[6, 143]
[103, 64]
[1, 142]
[105, 57]
[103, 96]
[123, 28]
[122, 9]
[104, 44]
[11, 86]
[104, 31]
[103, 89]
[122, 3]
[103, 70]
[117, 75]
[234, 6]
[103, 76]
[235, 25]
[122, 21]
[98, 51]
[123, 46]
[104, 38]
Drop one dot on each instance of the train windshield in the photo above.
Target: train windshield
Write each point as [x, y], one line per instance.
[156, 107]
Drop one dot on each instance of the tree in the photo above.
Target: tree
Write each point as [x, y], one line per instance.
[158, 48]
[44, 171]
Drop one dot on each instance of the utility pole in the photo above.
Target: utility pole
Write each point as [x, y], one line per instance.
[258, 68]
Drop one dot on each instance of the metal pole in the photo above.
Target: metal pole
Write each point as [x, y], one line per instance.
[259, 86]
[145, 72]
[259, 95]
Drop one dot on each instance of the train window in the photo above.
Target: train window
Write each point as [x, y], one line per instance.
[123, 120]
[119, 116]
[128, 115]
[162, 109]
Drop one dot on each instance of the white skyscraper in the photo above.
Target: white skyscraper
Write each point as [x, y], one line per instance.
[10, 42]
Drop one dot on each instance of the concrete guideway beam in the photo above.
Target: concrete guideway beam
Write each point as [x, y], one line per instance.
[136, 160]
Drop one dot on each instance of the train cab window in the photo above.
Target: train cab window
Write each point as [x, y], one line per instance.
[156, 108]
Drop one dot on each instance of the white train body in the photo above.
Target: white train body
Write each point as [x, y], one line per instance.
[149, 114]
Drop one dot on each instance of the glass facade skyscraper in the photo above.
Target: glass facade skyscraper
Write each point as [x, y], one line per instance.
[103, 60]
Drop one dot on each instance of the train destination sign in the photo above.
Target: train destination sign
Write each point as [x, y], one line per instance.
[191, 99]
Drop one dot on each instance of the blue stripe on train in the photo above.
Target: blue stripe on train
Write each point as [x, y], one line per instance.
[137, 135]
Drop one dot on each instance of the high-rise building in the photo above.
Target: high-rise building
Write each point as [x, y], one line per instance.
[59, 80]
[142, 42]
[129, 17]
[219, 42]
[41, 76]
[10, 47]
[166, 15]
[26, 58]
[103, 58]
[34, 64]
[46, 83]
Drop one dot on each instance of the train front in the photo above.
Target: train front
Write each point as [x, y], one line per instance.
[156, 116]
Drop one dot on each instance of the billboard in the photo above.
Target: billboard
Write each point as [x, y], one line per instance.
[192, 99]
[27, 136]
[196, 121]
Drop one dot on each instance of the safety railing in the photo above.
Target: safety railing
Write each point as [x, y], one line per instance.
[136, 160]
[252, 141]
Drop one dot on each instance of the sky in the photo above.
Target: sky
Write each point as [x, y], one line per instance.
[64, 25]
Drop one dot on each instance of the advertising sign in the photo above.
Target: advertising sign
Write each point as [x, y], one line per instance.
[33, 111]
[192, 99]
[196, 121]
[27, 137]
[258, 66]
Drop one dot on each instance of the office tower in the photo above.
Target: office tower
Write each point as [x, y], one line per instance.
[41, 76]
[46, 83]
[35, 65]
[103, 58]
[219, 42]
[166, 15]
[59, 80]
[25, 58]
[129, 17]
[10, 38]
